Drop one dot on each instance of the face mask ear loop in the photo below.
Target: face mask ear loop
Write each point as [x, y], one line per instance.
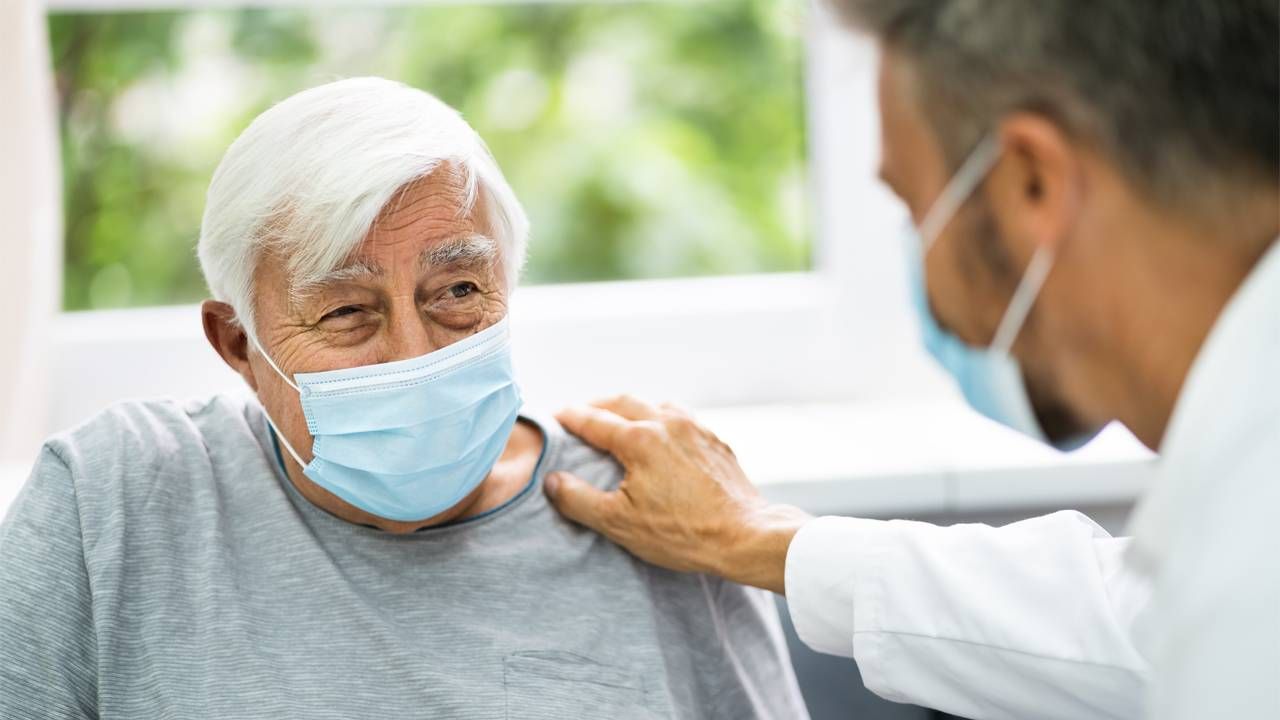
[258, 346]
[279, 435]
[1023, 299]
[957, 192]
[283, 441]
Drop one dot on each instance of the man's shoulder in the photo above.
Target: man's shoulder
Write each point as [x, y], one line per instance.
[117, 456]
[156, 427]
[570, 453]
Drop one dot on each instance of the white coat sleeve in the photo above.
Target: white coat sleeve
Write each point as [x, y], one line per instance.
[1029, 620]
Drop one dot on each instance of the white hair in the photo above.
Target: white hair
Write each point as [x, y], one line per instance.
[308, 177]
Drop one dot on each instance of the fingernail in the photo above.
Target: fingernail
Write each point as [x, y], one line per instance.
[551, 483]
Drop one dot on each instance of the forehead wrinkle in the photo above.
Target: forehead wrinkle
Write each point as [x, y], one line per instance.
[405, 216]
[443, 190]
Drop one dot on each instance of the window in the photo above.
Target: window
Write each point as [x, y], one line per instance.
[645, 139]
[700, 174]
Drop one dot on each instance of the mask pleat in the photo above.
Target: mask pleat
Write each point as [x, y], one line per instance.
[418, 495]
[425, 445]
[396, 406]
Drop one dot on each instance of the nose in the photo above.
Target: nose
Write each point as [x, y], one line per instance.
[407, 333]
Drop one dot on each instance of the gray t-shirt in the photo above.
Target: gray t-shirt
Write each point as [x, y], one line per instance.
[159, 564]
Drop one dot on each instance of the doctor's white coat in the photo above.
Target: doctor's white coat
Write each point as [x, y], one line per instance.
[1053, 618]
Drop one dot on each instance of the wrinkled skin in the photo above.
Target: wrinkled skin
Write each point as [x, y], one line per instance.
[418, 282]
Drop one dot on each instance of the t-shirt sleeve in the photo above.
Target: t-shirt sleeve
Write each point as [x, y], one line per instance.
[48, 650]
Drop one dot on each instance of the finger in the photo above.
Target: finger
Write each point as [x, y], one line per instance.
[629, 407]
[601, 429]
[576, 499]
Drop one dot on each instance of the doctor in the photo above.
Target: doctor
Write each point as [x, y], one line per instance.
[1097, 191]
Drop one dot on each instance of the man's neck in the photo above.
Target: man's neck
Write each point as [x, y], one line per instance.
[1178, 280]
[512, 473]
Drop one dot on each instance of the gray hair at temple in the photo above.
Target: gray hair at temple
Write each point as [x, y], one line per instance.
[1183, 96]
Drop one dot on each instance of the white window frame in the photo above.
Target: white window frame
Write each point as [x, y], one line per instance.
[835, 333]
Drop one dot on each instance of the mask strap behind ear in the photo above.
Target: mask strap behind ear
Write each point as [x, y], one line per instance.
[283, 441]
[258, 346]
[1023, 298]
[957, 192]
[279, 435]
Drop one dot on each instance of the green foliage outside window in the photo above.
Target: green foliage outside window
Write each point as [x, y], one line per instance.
[645, 139]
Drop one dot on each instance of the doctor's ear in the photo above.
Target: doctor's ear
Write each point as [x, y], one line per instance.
[228, 338]
[1035, 189]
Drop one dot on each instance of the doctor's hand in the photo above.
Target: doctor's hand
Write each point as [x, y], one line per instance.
[684, 502]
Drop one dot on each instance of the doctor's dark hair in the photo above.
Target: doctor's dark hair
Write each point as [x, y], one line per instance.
[1182, 95]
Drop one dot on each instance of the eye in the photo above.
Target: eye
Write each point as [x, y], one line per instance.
[341, 312]
[462, 290]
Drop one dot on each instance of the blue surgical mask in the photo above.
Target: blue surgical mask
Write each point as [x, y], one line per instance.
[409, 439]
[990, 378]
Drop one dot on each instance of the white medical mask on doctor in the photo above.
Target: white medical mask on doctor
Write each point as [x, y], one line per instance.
[990, 378]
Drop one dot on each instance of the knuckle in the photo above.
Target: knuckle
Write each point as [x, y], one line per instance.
[632, 436]
[641, 435]
[589, 427]
[656, 430]
[681, 426]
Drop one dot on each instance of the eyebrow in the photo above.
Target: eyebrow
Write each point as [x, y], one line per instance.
[308, 290]
[463, 251]
[357, 270]
[467, 250]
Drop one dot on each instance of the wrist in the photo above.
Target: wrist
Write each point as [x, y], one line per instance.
[755, 552]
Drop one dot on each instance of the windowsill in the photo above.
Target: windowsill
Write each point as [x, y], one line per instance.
[899, 460]
[922, 459]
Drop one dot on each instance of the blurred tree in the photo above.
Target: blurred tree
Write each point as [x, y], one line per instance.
[646, 139]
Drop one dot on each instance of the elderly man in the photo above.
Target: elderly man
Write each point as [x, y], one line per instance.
[367, 539]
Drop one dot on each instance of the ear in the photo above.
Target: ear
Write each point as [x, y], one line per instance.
[1035, 189]
[228, 338]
